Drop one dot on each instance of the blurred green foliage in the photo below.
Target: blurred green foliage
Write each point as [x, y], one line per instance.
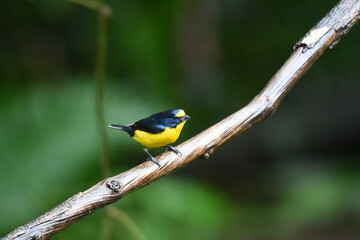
[294, 176]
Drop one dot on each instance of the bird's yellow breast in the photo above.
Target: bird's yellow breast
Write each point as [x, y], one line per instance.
[155, 140]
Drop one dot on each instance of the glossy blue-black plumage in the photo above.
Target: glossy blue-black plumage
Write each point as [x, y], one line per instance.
[157, 122]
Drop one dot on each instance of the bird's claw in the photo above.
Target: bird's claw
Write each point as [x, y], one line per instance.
[155, 161]
[171, 148]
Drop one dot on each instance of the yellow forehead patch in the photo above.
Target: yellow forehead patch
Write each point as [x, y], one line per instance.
[181, 113]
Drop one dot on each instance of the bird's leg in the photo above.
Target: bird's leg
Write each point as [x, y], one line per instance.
[171, 148]
[151, 158]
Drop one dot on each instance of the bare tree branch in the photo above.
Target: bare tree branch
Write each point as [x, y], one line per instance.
[325, 34]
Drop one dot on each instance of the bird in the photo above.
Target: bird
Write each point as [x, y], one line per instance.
[157, 130]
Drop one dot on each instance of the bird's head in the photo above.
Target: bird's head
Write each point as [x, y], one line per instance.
[175, 117]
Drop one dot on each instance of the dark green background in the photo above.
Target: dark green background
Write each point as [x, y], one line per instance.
[294, 176]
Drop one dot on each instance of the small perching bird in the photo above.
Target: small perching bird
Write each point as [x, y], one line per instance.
[158, 130]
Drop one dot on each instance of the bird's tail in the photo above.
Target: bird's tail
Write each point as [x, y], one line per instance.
[124, 128]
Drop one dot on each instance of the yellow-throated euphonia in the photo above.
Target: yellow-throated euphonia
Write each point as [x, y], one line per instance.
[158, 130]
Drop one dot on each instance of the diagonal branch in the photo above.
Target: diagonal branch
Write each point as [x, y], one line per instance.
[324, 35]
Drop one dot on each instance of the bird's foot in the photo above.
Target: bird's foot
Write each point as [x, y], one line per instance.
[171, 148]
[151, 158]
[154, 160]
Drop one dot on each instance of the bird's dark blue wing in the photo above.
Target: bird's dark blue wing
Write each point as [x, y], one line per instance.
[152, 124]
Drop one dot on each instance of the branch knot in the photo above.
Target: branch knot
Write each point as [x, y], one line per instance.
[36, 236]
[114, 185]
[209, 152]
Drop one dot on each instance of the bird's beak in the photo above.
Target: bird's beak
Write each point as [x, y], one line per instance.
[185, 118]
